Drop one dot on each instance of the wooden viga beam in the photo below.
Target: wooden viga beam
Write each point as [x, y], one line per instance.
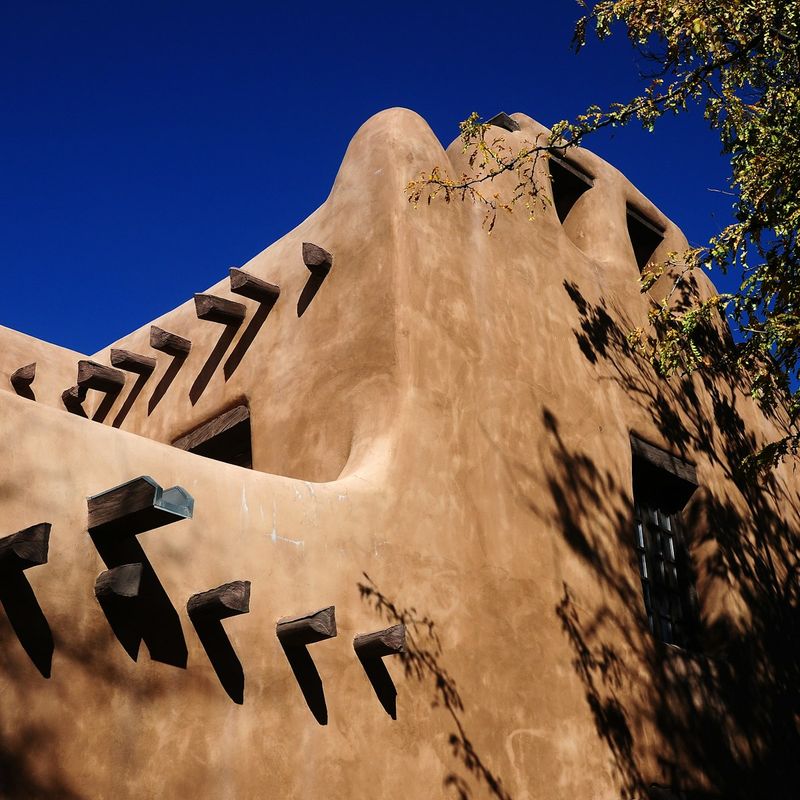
[387, 642]
[92, 375]
[218, 309]
[132, 362]
[25, 548]
[169, 343]
[119, 583]
[23, 377]
[308, 628]
[225, 601]
[318, 261]
[136, 506]
[73, 398]
[248, 285]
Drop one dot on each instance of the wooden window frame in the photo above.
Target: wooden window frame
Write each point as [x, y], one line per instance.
[662, 485]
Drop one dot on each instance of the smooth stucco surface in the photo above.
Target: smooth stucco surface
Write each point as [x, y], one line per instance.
[449, 416]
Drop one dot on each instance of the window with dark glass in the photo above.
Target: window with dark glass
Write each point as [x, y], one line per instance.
[662, 484]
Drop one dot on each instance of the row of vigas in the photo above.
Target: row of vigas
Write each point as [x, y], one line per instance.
[138, 608]
[110, 380]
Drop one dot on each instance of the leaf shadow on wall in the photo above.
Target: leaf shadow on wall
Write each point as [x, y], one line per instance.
[423, 662]
[727, 711]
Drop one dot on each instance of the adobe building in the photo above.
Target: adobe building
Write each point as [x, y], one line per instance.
[392, 511]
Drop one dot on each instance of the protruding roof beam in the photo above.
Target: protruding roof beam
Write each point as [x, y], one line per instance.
[218, 309]
[23, 377]
[132, 362]
[387, 642]
[92, 375]
[73, 398]
[318, 261]
[225, 601]
[26, 548]
[169, 343]
[121, 582]
[136, 506]
[249, 286]
[308, 628]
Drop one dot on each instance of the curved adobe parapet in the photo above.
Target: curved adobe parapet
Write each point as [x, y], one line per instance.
[318, 364]
[326, 366]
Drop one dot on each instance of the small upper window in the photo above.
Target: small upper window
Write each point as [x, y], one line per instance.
[645, 237]
[661, 486]
[568, 184]
[224, 438]
[502, 120]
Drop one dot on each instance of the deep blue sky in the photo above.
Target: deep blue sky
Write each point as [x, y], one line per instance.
[148, 146]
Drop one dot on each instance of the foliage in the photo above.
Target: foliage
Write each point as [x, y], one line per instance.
[740, 60]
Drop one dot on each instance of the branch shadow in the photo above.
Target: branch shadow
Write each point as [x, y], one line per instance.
[422, 661]
[134, 393]
[167, 378]
[309, 681]
[247, 338]
[27, 619]
[212, 362]
[721, 719]
[222, 656]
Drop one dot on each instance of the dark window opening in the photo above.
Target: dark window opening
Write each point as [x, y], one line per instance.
[502, 120]
[661, 486]
[645, 237]
[224, 438]
[568, 183]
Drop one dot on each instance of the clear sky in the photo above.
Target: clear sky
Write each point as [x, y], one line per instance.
[148, 146]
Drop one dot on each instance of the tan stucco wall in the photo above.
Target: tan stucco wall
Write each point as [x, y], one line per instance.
[452, 414]
[56, 367]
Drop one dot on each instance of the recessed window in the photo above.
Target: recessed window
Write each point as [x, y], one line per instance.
[502, 120]
[645, 235]
[568, 184]
[226, 438]
[661, 486]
